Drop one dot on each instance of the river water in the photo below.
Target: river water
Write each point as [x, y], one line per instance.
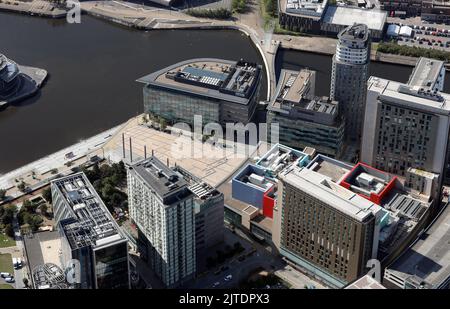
[93, 67]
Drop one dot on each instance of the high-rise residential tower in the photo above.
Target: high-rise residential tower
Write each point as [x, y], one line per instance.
[349, 77]
[162, 207]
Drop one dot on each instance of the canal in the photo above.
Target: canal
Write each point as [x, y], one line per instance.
[93, 67]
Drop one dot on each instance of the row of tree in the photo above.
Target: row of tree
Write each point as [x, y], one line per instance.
[413, 51]
[220, 13]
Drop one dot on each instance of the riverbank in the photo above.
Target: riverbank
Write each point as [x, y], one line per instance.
[35, 7]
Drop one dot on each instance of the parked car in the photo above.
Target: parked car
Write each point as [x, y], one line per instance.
[216, 284]
[9, 279]
[5, 275]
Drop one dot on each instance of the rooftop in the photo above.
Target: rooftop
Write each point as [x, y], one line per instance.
[369, 182]
[365, 282]
[426, 73]
[429, 258]
[334, 169]
[167, 184]
[410, 96]
[91, 224]
[322, 188]
[346, 16]
[216, 78]
[312, 8]
[355, 32]
[281, 156]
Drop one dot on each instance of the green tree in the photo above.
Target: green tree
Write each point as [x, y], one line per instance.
[9, 230]
[43, 208]
[21, 186]
[47, 195]
[2, 194]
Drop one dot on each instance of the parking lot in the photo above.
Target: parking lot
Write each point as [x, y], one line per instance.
[425, 35]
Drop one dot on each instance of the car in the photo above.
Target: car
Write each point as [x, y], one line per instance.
[216, 284]
[9, 279]
[4, 275]
[228, 277]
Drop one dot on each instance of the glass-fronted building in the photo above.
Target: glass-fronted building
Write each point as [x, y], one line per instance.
[89, 234]
[220, 91]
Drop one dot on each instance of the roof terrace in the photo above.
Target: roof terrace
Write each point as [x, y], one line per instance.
[222, 79]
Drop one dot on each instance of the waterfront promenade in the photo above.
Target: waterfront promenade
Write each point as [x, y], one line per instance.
[39, 173]
[33, 7]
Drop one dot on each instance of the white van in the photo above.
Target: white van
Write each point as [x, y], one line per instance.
[19, 262]
[9, 279]
[14, 260]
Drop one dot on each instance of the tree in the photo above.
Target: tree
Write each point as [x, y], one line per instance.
[9, 230]
[25, 282]
[21, 186]
[47, 195]
[29, 206]
[44, 209]
[2, 194]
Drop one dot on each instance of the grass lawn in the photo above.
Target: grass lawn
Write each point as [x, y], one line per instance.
[6, 263]
[6, 287]
[6, 241]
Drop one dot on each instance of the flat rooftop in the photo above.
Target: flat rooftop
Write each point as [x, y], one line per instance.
[331, 168]
[410, 96]
[310, 8]
[429, 257]
[365, 283]
[294, 85]
[347, 16]
[91, 224]
[426, 73]
[233, 81]
[162, 179]
[281, 156]
[322, 188]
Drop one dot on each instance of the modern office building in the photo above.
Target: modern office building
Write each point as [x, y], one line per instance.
[407, 125]
[89, 234]
[162, 206]
[220, 91]
[318, 17]
[208, 211]
[349, 77]
[330, 218]
[304, 119]
[338, 18]
[251, 196]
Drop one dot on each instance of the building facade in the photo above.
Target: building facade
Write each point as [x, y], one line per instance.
[305, 120]
[162, 207]
[220, 91]
[324, 228]
[89, 234]
[208, 211]
[407, 125]
[349, 77]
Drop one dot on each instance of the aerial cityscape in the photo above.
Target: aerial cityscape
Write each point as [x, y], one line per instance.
[224, 144]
